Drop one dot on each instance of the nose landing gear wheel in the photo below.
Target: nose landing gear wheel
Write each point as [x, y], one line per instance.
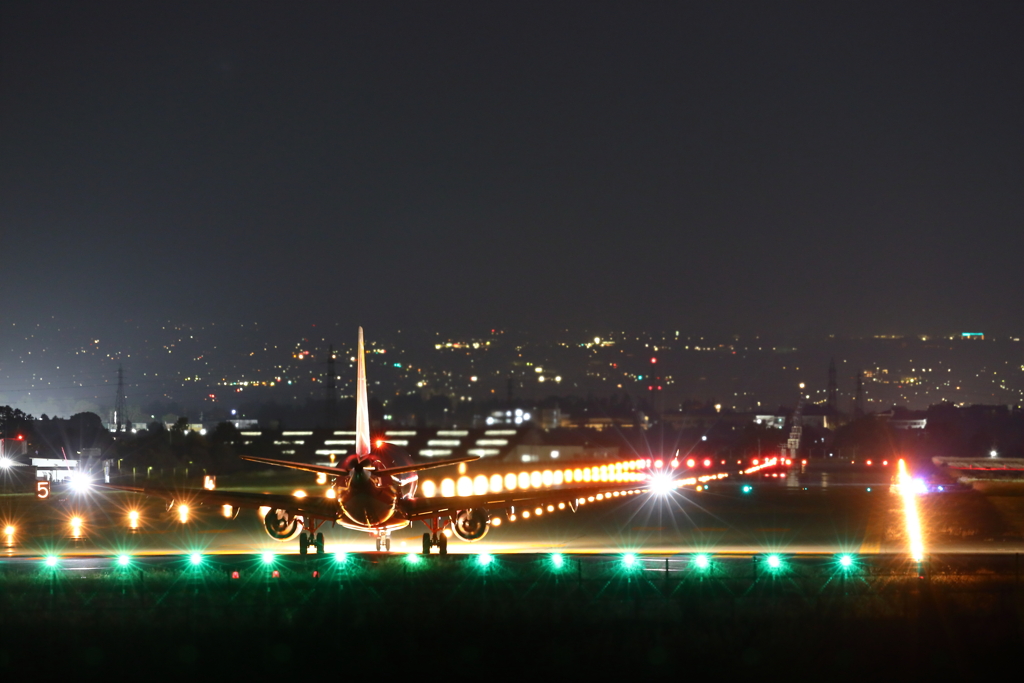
[387, 544]
[378, 543]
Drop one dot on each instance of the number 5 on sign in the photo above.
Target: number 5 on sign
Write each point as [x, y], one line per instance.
[43, 489]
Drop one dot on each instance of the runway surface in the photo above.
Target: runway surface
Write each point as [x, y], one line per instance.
[817, 512]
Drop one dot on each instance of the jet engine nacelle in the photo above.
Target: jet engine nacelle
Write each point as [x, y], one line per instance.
[282, 525]
[471, 525]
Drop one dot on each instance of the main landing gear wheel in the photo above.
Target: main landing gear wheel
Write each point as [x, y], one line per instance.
[426, 544]
[303, 543]
[442, 544]
[378, 544]
[320, 544]
[387, 544]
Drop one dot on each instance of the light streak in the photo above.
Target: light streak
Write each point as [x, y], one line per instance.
[905, 486]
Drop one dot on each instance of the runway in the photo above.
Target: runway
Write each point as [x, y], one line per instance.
[810, 513]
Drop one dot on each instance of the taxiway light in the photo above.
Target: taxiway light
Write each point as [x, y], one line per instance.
[484, 559]
[124, 560]
[341, 557]
[557, 560]
[747, 488]
[702, 561]
[845, 561]
[412, 558]
[268, 558]
[774, 562]
[51, 561]
[629, 560]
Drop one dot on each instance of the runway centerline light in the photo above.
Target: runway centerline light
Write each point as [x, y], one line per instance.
[196, 559]
[124, 560]
[51, 561]
[845, 561]
[412, 558]
[341, 557]
[629, 560]
[557, 560]
[774, 561]
[268, 558]
[701, 561]
[484, 559]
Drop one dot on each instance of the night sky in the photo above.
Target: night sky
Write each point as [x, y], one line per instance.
[823, 167]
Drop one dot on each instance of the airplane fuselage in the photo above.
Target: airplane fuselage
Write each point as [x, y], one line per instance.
[368, 501]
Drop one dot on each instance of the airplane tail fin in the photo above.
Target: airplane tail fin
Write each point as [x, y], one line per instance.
[362, 409]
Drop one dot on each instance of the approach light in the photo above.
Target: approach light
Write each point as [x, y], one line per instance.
[51, 560]
[268, 558]
[701, 561]
[341, 557]
[845, 561]
[557, 560]
[412, 558]
[5, 463]
[484, 559]
[629, 560]
[9, 530]
[196, 559]
[79, 482]
[774, 561]
[124, 560]
[661, 484]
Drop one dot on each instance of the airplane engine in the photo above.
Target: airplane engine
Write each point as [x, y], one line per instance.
[471, 525]
[282, 525]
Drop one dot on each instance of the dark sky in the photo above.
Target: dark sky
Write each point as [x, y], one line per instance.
[826, 167]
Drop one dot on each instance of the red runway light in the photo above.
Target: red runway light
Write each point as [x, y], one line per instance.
[275, 574]
[234, 575]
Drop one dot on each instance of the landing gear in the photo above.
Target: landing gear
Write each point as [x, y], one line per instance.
[307, 539]
[435, 537]
[384, 539]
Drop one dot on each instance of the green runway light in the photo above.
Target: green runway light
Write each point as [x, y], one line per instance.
[702, 561]
[747, 488]
[484, 559]
[196, 559]
[341, 557]
[412, 558]
[124, 560]
[268, 558]
[774, 561]
[845, 561]
[629, 560]
[51, 561]
[557, 561]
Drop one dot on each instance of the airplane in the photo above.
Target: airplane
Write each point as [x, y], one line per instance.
[374, 490]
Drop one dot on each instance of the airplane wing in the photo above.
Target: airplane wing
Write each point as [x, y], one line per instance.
[311, 507]
[419, 508]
